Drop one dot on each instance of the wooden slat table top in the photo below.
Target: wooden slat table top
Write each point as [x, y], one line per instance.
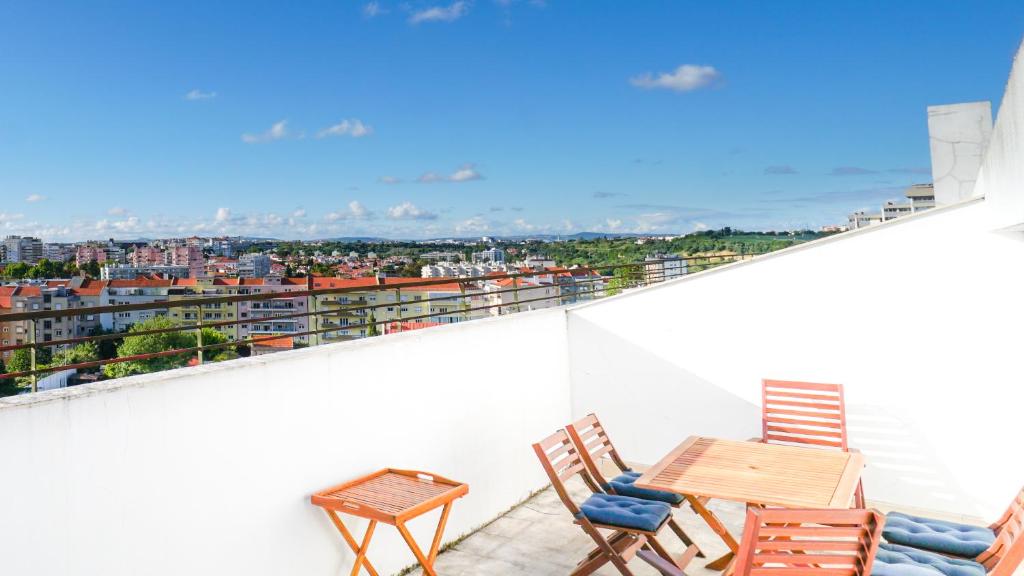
[757, 473]
[390, 495]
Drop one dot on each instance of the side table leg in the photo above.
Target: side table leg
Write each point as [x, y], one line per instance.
[360, 551]
[425, 563]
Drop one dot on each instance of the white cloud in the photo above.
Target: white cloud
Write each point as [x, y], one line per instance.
[117, 211]
[428, 177]
[685, 78]
[373, 9]
[197, 94]
[613, 224]
[409, 211]
[467, 173]
[355, 211]
[299, 213]
[223, 214]
[449, 13]
[354, 128]
[700, 226]
[276, 132]
[32, 198]
[476, 224]
[389, 180]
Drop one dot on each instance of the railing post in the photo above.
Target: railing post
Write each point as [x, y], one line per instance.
[465, 304]
[32, 354]
[199, 331]
[515, 293]
[315, 311]
[398, 296]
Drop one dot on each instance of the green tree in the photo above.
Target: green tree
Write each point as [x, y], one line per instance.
[8, 386]
[371, 325]
[16, 270]
[84, 352]
[92, 269]
[149, 344]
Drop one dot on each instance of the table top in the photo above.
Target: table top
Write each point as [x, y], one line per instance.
[390, 495]
[758, 473]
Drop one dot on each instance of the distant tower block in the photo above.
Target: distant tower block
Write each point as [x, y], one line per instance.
[959, 135]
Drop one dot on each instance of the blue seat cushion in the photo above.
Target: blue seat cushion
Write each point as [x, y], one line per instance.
[626, 512]
[895, 560]
[624, 486]
[937, 535]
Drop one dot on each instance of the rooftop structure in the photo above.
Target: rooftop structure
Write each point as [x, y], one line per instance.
[209, 469]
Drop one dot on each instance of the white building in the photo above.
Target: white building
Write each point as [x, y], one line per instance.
[496, 255]
[460, 270]
[23, 249]
[129, 272]
[254, 266]
[662, 267]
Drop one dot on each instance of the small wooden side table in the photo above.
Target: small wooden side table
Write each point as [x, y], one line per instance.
[392, 497]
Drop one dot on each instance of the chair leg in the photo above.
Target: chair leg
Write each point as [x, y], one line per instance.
[858, 496]
[607, 551]
[683, 536]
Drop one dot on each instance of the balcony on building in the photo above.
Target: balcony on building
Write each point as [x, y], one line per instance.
[209, 469]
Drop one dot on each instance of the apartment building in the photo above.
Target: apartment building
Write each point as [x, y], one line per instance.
[189, 255]
[130, 271]
[194, 288]
[148, 256]
[135, 291]
[661, 267]
[509, 295]
[461, 269]
[490, 255]
[253, 266]
[22, 249]
[58, 252]
[345, 313]
[266, 314]
[920, 197]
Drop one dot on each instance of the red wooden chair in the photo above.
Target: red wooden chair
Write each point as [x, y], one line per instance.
[633, 523]
[805, 413]
[593, 444]
[800, 542]
[1006, 553]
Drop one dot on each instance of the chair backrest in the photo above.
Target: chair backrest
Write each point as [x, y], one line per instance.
[561, 461]
[803, 413]
[593, 443]
[1006, 553]
[798, 542]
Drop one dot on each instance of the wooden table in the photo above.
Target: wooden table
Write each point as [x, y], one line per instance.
[756, 473]
[393, 497]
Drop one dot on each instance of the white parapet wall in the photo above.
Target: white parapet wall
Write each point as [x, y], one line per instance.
[919, 318]
[1002, 173]
[209, 470]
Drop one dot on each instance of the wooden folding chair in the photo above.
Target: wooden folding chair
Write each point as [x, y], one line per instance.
[984, 545]
[592, 443]
[801, 542]
[561, 462]
[1001, 558]
[1006, 553]
[806, 413]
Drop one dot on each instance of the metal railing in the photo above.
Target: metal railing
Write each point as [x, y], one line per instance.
[597, 282]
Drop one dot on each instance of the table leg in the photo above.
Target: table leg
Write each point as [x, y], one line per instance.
[360, 550]
[716, 525]
[426, 563]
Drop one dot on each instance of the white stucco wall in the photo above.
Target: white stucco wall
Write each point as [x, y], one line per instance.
[958, 135]
[1002, 173]
[919, 319]
[209, 470]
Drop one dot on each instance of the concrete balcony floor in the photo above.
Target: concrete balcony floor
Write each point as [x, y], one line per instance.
[538, 538]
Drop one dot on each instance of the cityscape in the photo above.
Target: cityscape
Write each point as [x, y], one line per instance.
[511, 288]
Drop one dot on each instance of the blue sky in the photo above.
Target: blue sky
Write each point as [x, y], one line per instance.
[479, 117]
